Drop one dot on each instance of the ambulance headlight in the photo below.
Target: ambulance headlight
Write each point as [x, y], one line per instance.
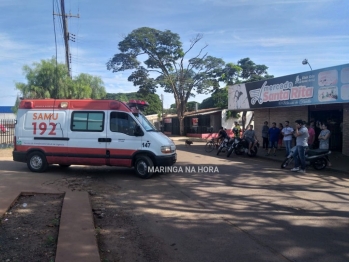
[166, 149]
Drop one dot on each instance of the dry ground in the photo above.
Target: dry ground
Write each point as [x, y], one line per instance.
[31, 234]
[6, 152]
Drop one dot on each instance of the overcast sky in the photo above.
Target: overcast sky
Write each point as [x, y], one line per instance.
[276, 33]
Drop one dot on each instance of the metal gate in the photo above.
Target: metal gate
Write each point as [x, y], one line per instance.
[7, 132]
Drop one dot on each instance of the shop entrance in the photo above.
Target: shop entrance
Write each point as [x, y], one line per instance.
[333, 117]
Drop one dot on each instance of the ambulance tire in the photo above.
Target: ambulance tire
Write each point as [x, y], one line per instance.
[37, 162]
[141, 166]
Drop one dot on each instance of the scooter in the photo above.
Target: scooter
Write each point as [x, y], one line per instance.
[313, 157]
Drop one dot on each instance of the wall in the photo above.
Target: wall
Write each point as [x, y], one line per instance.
[345, 149]
[216, 121]
[278, 115]
[7, 116]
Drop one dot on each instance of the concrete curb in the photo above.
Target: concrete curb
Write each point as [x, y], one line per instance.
[76, 239]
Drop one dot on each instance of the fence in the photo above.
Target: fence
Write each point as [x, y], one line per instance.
[199, 129]
[7, 132]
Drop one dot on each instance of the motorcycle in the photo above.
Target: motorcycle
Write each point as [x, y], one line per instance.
[224, 145]
[313, 157]
[241, 147]
[231, 148]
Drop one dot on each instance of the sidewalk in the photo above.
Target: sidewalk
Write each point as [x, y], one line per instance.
[340, 162]
[76, 239]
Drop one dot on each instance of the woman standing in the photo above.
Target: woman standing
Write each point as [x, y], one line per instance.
[324, 139]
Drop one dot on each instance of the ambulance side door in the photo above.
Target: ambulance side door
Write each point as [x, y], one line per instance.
[87, 137]
[123, 142]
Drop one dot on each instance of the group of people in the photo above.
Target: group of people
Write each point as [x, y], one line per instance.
[274, 136]
[305, 137]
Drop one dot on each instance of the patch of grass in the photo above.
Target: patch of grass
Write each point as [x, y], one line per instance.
[50, 241]
[55, 222]
[98, 230]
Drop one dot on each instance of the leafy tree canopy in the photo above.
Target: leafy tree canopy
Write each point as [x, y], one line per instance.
[166, 66]
[47, 79]
[252, 72]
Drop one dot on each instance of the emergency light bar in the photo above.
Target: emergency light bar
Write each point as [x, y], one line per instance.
[141, 104]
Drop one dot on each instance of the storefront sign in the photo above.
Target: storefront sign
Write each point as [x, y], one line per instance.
[323, 86]
[195, 121]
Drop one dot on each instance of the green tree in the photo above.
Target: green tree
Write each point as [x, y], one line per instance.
[47, 79]
[93, 82]
[252, 72]
[230, 74]
[207, 103]
[166, 60]
[191, 106]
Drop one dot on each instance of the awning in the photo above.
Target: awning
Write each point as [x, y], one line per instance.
[208, 113]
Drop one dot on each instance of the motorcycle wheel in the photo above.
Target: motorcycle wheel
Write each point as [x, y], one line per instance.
[320, 163]
[219, 150]
[230, 150]
[286, 162]
[239, 150]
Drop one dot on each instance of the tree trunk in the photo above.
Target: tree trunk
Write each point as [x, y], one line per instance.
[180, 113]
[181, 126]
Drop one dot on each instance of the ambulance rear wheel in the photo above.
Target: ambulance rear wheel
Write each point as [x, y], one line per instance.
[142, 166]
[37, 162]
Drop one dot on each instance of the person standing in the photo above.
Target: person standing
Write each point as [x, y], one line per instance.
[311, 138]
[273, 138]
[236, 129]
[251, 138]
[324, 139]
[281, 126]
[301, 134]
[265, 135]
[287, 132]
[317, 128]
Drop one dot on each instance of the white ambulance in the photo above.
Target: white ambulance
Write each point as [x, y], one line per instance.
[89, 132]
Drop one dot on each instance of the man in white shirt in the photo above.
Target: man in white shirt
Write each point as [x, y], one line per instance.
[287, 132]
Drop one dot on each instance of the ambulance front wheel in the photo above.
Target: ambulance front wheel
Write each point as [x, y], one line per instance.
[143, 166]
[37, 162]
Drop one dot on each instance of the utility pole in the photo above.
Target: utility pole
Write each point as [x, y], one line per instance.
[162, 113]
[66, 35]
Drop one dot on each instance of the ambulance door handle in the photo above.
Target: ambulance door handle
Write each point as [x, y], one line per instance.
[104, 139]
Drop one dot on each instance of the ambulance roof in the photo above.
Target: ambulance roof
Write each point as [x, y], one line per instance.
[62, 104]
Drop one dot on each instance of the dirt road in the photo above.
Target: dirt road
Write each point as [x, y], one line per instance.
[249, 210]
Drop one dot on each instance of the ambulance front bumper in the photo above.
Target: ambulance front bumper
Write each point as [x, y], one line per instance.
[165, 160]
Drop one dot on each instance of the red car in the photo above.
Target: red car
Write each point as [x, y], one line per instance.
[3, 129]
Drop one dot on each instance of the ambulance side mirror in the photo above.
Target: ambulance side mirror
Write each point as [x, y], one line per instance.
[138, 131]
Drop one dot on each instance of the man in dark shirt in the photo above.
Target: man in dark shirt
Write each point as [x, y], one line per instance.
[222, 134]
[274, 133]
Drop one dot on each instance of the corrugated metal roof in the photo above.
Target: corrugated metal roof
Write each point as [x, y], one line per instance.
[6, 109]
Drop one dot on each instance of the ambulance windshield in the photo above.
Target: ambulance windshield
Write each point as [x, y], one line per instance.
[145, 122]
